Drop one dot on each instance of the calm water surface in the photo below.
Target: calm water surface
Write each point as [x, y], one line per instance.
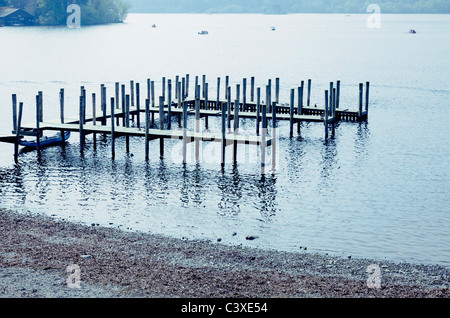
[378, 190]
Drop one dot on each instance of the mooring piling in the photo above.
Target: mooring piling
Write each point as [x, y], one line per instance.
[18, 125]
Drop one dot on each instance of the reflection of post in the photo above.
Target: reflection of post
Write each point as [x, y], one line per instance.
[18, 125]
[161, 126]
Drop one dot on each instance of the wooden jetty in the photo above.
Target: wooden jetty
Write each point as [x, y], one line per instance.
[123, 115]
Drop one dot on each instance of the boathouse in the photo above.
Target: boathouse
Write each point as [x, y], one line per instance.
[13, 16]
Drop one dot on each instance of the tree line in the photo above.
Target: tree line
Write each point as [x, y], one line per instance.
[288, 6]
[54, 12]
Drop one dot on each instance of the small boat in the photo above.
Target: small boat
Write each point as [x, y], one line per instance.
[45, 141]
[412, 31]
[203, 32]
[153, 25]
[272, 28]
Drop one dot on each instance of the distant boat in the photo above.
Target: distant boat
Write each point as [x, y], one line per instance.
[272, 28]
[203, 32]
[45, 141]
[412, 31]
[153, 25]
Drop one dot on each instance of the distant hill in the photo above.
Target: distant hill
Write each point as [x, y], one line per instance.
[54, 12]
[287, 6]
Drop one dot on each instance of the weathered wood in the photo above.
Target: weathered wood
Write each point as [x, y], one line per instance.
[236, 116]
[229, 107]
[264, 137]
[94, 120]
[14, 111]
[224, 142]
[244, 94]
[163, 84]
[308, 101]
[127, 121]
[41, 106]
[132, 92]
[227, 84]
[61, 115]
[138, 105]
[218, 94]
[252, 88]
[169, 104]
[367, 98]
[360, 101]
[338, 93]
[274, 135]
[184, 132]
[38, 131]
[277, 90]
[187, 85]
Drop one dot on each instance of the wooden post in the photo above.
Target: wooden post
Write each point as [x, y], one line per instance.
[308, 102]
[81, 122]
[252, 88]
[14, 111]
[183, 89]
[161, 126]
[152, 88]
[236, 116]
[61, 115]
[227, 84]
[41, 107]
[94, 121]
[291, 119]
[179, 103]
[206, 104]
[360, 101]
[244, 94]
[196, 89]
[138, 105]
[197, 122]
[277, 90]
[164, 89]
[127, 121]
[326, 115]
[258, 109]
[123, 106]
[132, 92]
[236, 129]
[147, 124]
[264, 137]
[367, 98]
[169, 104]
[38, 131]
[103, 102]
[148, 88]
[218, 94]
[229, 107]
[113, 138]
[274, 134]
[338, 93]
[187, 86]
[18, 125]
[333, 113]
[117, 99]
[177, 79]
[331, 96]
[204, 86]
[269, 96]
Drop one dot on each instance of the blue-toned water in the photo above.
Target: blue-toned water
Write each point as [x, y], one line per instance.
[378, 189]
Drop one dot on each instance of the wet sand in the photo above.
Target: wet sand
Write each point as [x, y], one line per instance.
[35, 253]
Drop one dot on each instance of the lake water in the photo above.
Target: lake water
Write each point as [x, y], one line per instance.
[377, 190]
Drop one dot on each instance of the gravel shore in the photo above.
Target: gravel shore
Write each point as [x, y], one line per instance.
[35, 253]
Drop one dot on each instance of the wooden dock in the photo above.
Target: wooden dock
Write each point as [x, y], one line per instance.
[123, 115]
